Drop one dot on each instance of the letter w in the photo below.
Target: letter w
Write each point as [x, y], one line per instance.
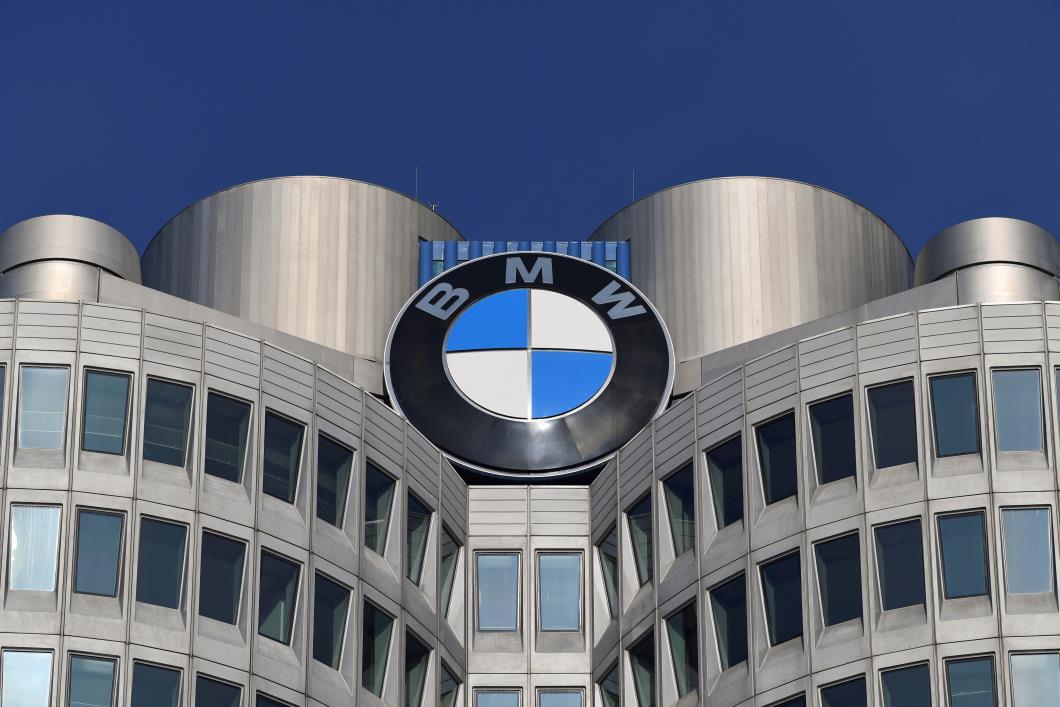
[620, 300]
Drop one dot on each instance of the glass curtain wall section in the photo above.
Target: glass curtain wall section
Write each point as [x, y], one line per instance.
[1018, 410]
[684, 648]
[679, 490]
[498, 591]
[277, 594]
[378, 501]
[907, 687]
[417, 657]
[221, 577]
[610, 688]
[832, 430]
[34, 548]
[1028, 547]
[608, 549]
[214, 693]
[640, 535]
[227, 426]
[105, 412]
[728, 603]
[167, 422]
[42, 407]
[839, 579]
[375, 635]
[283, 454]
[965, 565]
[417, 527]
[845, 694]
[892, 417]
[955, 414]
[160, 566]
[98, 552]
[559, 590]
[782, 594]
[725, 472]
[449, 557]
[154, 686]
[448, 688]
[777, 458]
[970, 682]
[1035, 680]
[26, 678]
[642, 664]
[331, 605]
[334, 463]
[91, 681]
[900, 564]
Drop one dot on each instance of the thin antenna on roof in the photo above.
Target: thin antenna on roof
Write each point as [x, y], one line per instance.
[417, 187]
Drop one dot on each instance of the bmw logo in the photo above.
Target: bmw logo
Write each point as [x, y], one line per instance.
[522, 364]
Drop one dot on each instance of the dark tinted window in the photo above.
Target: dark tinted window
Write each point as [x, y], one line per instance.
[98, 553]
[832, 429]
[160, 568]
[214, 693]
[962, 538]
[266, 701]
[331, 603]
[611, 689]
[684, 648]
[227, 424]
[277, 593]
[776, 458]
[907, 687]
[450, 555]
[378, 500]
[167, 419]
[640, 536]
[334, 462]
[970, 682]
[839, 576]
[106, 408]
[155, 686]
[448, 688]
[221, 577]
[955, 414]
[375, 633]
[729, 604]
[845, 694]
[892, 413]
[283, 452]
[725, 471]
[900, 562]
[797, 701]
[418, 523]
[609, 566]
[417, 656]
[681, 506]
[782, 592]
[642, 663]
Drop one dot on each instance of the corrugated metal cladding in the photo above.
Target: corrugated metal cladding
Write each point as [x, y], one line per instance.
[438, 256]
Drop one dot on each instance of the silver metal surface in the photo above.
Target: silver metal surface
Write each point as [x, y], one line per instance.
[74, 238]
[987, 240]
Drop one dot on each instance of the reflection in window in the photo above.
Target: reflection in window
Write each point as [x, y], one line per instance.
[334, 462]
[417, 656]
[560, 698]
[375, 634]
[900, 562]
[782, 592]
[91, 681]
[106, 406]
[167, 420]
[728, 603]
[776, 458]
[1036, 680]
[845, 694]
[378, 499]
[725, 471]
[1018, 410]
[907, 687]
[98, 553]
[642, 664]
[498, 591]
[496, 698]
[832, 429]
[450, 555]
[34, 547]
[418, 523]
[892, 417]
[42, 407]
[640, 521]
[684, 648]
[448, 688]
[962, 537]
[559, 590]
[26, 679]
[160, 567]
[227, 424]
[839, 577]
[610, 688]
[221, 577]
[214, 693]
[283, 453]
[1028, 545]
[608, 549]
[970, 682]
[681, 505]
[331, 603]
[277, 593]
[155, 686]
[955, 413]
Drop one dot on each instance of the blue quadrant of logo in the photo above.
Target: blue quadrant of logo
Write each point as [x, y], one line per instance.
[563, 380]
[495, 322]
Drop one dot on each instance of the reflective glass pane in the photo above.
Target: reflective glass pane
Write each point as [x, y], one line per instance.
[375, 636]
[283, 452]
[496, 698]
[846, 694]
[782, 592]
[970, 682]
[417, 657]
[832, 429]
[277, 593]
[776, 458]
[839, 577]
[448, 689]
[331, 603]
[155, 686]
[417, 524]
[98, 553]
[498, 591]
[608, 548]
[684, 648]
[892, 414]
[214, 693]
[42, 407]
[611, 689]
[1018, 410]
[728, 603]
[160, 566]
[955, 414]
[964, 563]
[560, 698]
[334, 462]
[559, 591]
[900, 563]
[378, 499]
[640, 535]
[91, 681]
[725, 471]
[221, 578]
[26, 679]
[1028, 546]
[1036, 680]
[450, 554]
[227, 424]
[106, 407]
[34, 546]
[679, 490]
[167, 419]
[266, 701]
[642, 663]
[797, 701]
[907, 687]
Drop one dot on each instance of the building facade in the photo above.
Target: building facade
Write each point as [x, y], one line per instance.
[208, 498]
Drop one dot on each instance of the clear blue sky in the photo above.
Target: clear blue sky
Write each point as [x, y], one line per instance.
[526, 118]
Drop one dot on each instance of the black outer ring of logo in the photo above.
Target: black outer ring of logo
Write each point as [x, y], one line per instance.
[638, 390]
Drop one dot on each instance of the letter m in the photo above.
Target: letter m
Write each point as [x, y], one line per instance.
[515, 267]
[621, 301]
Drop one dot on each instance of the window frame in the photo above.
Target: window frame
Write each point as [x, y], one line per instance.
[876, 560]
[1004, 547]
[394, 630]
[445, 599]
[558, 689]
[295, 601]
[904, 666]
[1011, 682]
[191, 418]
[974, 373]
[300, 464]
[345, 622]
[690, 467]
[614, 610]
[945, 677]
[57, 574]
[816, 545]
[119, 570]
[341, 518]
[220, 681]
[756, 427]
[518, 554]
[517, 691]
[247, 443]
[813, 441]
[628, 514]
[843, 681]
[869, 419]
[742, 578]
[994, 419]
[51, 652]
[394, 496]
[760, 567]
[695, 642]
[247, 548]
[114, 677]
[129, 395]
[939, 517]
[22, 366]
[426, 545]
[538, 554]
[162, 666]
[718, 503]
[184, 569]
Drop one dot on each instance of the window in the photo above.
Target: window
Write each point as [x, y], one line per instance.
[832, 429]
[782, 592]
[450, 555]
[334, 462]
[642, 665]
[418, 524]
[448, 688]
[797, 701]
[559, 590]
[221, 577]
[1036, 680]
[378, 499]
[26, 678]
[681, 505]
[776, 458]
[160, 567]
[417, 656]
[955, 413]
[91, 681]
[496, 698]
[42, 407]
[106, 409]
[640, 522]
[907, 687]
[167, 421]
[845, 694]
[376, 631]
[227, 425]
[498, 591]
[610, 688]
[560, 698]
[331, 603]
[266, 701]
[34, 547]
[839, 579]
[900, 562]
[214, 693]
[98, 553]
[962, 537]
[892, 417]
[608, 549]
[283, 452]
[728, 603]
[277, 595]
[970, 682]
[1028, 546]
[1018, 410]
[155, 686]
[725, 471]
[684, 648]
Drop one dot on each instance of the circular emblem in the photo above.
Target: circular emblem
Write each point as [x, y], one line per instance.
[529, 363]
